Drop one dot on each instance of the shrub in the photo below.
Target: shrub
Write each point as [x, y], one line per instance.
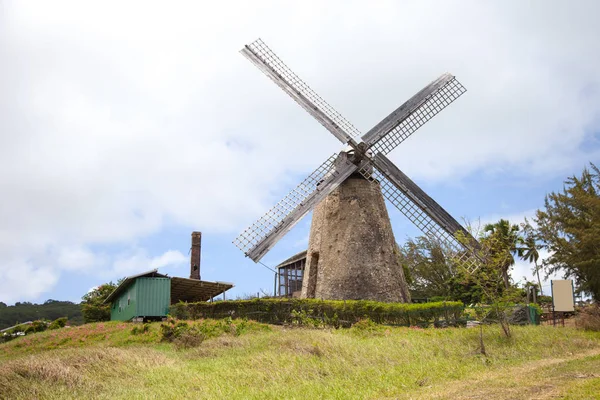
[188, 338]
[181, 334]
[588, 318]
[366, 325]
[336, 313]
[58, 323]
[36, 326]
[136, 330]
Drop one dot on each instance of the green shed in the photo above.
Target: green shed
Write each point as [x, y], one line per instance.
[149, 295]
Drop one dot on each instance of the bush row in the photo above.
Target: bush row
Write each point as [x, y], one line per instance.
[325, 312]
[35, 326]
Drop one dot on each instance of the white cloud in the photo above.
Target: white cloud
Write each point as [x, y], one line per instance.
[514, 218]
[139, 261]
[22, 281]
[169, 259]
[115, 122]
[79, 259]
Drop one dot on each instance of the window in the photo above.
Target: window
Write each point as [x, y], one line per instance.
[290, 277]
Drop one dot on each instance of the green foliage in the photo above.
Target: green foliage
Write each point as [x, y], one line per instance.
[569, 227]
[49, 310]
[436, 271]
[58, 323]
[186, 334]
[545, 300]
[33, 327]
[529, 250]
[181, 333]
[502, 244]
[366, 327]
[93, 307]
[317, 313]
[140, 329]
[36, 326]
[429, 266]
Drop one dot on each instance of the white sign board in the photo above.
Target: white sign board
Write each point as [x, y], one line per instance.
[562, 295]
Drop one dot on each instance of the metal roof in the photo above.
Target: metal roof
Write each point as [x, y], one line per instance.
[10, 327]
[182, 289]
[293, 259]
[191, 290]
[127, 281]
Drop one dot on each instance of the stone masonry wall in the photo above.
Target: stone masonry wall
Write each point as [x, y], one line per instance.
[352, 253]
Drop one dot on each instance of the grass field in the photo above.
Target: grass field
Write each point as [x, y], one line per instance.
[255, 361]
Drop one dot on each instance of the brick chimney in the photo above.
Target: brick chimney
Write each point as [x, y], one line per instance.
[195, 255]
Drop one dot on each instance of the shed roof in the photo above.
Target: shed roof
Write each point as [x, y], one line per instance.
[293, 259]
[129, 280]
[184, 289]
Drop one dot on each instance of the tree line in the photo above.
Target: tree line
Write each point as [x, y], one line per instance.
[567, 227]
[49, 310]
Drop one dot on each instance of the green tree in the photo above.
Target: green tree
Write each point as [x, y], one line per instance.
[529, 250]
[503, 238]
[429, 267]
[93, 307]
[50, 310]
[569, 228]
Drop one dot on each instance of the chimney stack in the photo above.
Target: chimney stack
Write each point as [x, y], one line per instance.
[195, 255]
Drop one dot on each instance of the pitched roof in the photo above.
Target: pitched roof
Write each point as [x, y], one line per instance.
[292, 259]
[182, 289]
[129, 280]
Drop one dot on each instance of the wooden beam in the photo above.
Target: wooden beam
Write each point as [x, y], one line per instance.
[402, 112]
[342, 172]
[421, 199]
[304, 102]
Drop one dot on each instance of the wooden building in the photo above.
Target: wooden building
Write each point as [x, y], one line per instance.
[290, 274]
[149, 295]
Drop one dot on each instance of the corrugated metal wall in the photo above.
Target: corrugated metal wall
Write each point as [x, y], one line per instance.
[124, 307]
[153, 296]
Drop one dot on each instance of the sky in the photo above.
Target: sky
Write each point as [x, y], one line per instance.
[125, 126]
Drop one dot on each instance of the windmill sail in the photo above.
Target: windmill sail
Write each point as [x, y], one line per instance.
[424, 212]
[261, 236]
[404, 194]
[410, 116]
[286, 79]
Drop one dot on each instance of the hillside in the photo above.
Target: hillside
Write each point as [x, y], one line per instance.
[241, 360]
[50, 310]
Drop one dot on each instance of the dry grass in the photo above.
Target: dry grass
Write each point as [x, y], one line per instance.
[75, 371]
[589, 318]
[303, 363]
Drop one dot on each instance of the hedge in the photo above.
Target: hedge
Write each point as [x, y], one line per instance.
[328, 312]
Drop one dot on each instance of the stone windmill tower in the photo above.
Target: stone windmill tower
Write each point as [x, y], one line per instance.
[352, 252]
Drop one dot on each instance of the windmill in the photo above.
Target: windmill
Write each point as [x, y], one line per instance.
[363, 156]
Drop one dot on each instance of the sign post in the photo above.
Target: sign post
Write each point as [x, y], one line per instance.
[563, 299]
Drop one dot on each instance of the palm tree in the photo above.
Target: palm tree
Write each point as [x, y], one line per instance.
[529, 252]
[505, 241]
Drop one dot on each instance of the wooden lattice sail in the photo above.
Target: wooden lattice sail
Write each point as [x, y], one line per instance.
[363, 232]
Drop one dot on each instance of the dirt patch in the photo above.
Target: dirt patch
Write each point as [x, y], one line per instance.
[540, 379]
